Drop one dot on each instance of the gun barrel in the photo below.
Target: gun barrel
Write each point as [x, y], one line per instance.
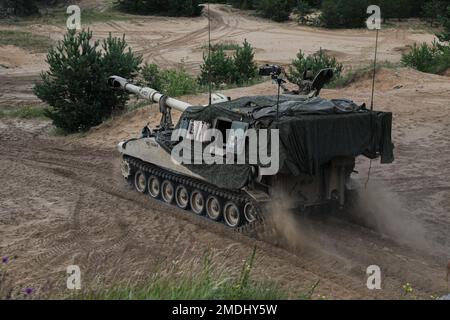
[147, 93]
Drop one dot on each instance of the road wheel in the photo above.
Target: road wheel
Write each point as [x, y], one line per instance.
[140, 181]
[213, 208]
[167, 191]
[182, 197]
[232, 215]
[197, 202]
[154, 187]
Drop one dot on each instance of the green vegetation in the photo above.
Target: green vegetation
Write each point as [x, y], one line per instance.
[432, 10]
[302, 10]
[175, 8]
[445, 21]
[344, 13]
[186, 282]
[314, 63]
[25, 40]
[23, 112]
[341, 13]
[219, 68]
[430, 58]
[172, 82]
[22, 7]
[222, 70]
[277, 10]
[76, 87]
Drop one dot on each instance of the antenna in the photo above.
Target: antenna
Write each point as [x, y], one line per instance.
[209, 58]
[371, 101]
[374, 71]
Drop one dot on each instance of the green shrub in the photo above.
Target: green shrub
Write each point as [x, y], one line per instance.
[172, 82]
[177, 82]
[434, 58]
[152, 76]
[217, 68]
[421, 57]
[315, 63]
[76, 87]
[244, 62]
[302, 10]
[220, 69]
[277, 10]
[344, 13]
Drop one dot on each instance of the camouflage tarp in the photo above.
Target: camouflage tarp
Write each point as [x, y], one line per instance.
[312, 132]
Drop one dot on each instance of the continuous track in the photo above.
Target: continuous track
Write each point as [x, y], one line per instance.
[245, 225]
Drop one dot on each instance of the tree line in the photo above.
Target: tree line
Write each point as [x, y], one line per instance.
[333, 13]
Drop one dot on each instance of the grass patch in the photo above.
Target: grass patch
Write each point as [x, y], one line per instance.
[200, 279]
[226, 46]
[58, 17]
[23, 112]
[25, 40]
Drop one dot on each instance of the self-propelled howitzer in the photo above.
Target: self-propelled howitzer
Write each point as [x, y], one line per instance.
[228, 159]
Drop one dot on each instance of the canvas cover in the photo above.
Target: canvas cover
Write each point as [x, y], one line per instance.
[312, 132]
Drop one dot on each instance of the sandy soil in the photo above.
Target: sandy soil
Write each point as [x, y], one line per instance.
[63, 202]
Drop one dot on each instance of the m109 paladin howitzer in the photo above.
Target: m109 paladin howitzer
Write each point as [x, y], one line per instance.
[228, 159]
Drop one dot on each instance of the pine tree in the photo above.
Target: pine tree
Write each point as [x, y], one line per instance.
[76, 87]
[244, 62]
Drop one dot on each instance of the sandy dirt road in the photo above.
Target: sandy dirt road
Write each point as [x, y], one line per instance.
[63, 202]
[169, 42]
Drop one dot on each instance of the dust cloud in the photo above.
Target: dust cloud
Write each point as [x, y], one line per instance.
[383, 210]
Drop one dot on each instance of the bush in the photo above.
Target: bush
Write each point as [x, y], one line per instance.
[217, 68]
[434, 58]
[302, 10]
[172, 82]
[76, 87]
[315, 63]
[344, 13]
[222, 69]
[152, 76]
[277, 10]
[244, 62]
